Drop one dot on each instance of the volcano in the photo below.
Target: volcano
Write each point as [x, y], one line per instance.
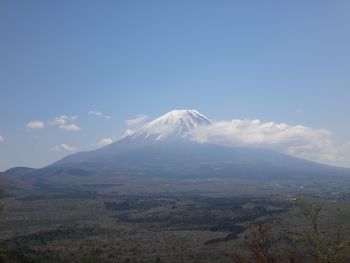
[163, 148]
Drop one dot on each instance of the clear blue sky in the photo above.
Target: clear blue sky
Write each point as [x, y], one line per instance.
[272, 60]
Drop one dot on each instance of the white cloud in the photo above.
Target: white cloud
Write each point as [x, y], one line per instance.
[63, 119]
[65, 122]
[95, 113]
[128, 132]
[35, 125]
[99, 114]
[105, 141]
[64, 147]
[70, 127]
[137, 120]
[2, 140]
[296, 140]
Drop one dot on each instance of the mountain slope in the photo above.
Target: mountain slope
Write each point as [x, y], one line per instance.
[172, 126]
[161, 149]
[11, 184]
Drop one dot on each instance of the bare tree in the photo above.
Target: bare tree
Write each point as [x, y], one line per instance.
[321, 248]
[3, 256]
[1, 194]
[259, 246]
[313, 246]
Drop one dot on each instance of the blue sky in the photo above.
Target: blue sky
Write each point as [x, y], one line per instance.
[281, 61]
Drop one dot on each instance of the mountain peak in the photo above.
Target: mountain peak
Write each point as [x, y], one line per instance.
[182, 115]
[175, 123]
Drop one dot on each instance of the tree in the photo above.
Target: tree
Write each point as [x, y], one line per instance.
[320, 248]
[91, 256]
[1, 194]
[259, 246]
[3, 254]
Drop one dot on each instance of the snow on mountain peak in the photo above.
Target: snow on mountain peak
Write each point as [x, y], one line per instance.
[175, 123]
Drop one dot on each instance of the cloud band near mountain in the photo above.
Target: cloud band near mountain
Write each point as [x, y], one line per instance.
[300, 141]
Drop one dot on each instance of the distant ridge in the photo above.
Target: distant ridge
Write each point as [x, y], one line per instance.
[18, 171]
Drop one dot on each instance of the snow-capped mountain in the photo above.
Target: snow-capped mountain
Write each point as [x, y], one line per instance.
[160, 148]
[174, 124]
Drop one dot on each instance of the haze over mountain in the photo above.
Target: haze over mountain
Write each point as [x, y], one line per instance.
[163, 148]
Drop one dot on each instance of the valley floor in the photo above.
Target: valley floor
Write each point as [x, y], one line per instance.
[101, 225]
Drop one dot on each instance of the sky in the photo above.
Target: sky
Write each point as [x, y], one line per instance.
[73, 74]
